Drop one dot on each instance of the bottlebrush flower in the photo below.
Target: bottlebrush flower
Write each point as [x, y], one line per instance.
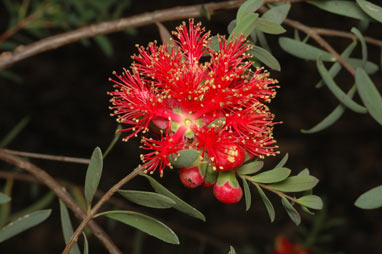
[210, 101]
[283, 246]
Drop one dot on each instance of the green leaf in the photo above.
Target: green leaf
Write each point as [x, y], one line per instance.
[248, 7]
[262, 40]
[93, 175]
[357, 33]
[105, 44]
[4, 198]
[369, 94]
[265, 57]
[67, 228]
[214, 43]
[332, 117]
[21, 224]
[341, 7]
[291, 211]
[149, 199]
[250, 168]
[86, 244]
[295, 184]
[5, 209]
[371, 9]
[12, 134]
[231, 250]
[370, 67]
[205, 13]
[269, 26]
[164, 34]
[271, 176]
[278, 13]
[267, 203]
[230, 27]
[144, 223]
[10, 75]
[304, 172]
[282, 161]
[311, 201]
[247, 194]
[180, 205]
[336, 67]
[40, 204]
[184, 158]
[371, 199]
[304, 51]
[117, 135]
[245, 27]
[337, 92]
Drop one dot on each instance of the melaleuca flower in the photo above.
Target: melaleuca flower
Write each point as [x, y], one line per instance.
[196, 98]
[284, 246]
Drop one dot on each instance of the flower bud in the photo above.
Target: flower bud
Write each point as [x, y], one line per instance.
[191, 177]
[227, 189]
[232, 157]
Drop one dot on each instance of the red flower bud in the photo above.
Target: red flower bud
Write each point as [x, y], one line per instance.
[231, 157]
[227, 189]
[191, 177]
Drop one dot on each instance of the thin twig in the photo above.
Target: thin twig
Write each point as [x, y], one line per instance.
[94, 210]
[60, 191]
[195, 234]
[48, 157]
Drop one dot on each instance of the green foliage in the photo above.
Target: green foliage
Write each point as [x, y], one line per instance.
[269, 26]
[144, 223]
[149, 199]
[245, 27]
[231, 250]
[86, 244]
[247, 194]
[180, 205]
[23, 223]
[267, 203]
[67, 228]
[4, 198]
[93, 175]
[250, 168]
[265, 57]
[295, 183]
[371, 199]
[271, 176]
[184, 158]
[291, 211]
[371, 9]
[345, 8]
[248, 8]
[12, 134]
[277, 13]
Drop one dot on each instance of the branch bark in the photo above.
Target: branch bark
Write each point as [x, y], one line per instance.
[61, 192]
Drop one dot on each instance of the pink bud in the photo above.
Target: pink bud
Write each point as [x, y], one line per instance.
[227, 189]
[191, 177]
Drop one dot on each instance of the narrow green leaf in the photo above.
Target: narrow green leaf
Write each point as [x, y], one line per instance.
[40, 204]
[295, 183]
[371, 199]
[149, 199]
[282, 161]
[245, 27]
[93, 175]
[231, 250]
[4, 198]
[265, 57]
[21, 224]
[262, 40]
[277, 13]
[247, 194]
[117, 135]
[369, 94]
[269, 26]
[7, 74]
[267, 203]
[67, 228]
[304, 172]
[370, 67]
[296, 35]
[214, 43]
[341, 7]
[250, 168]
[144, 223]
[336, 67]
[184, 158]
[5, 209]
[231, 26]
[14, 132]
[271, 176]
[291, 211]
[248, 7]
[311, 201]
[164, 34]
[357, 33]
[337, 92]
[86, 244]
[332, 117]
[371, 9]
[205, 13]
[304, 51]
[105, 44]
[180, 204]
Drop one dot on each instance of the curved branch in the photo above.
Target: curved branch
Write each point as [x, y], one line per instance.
[60, 191]
[48, 157]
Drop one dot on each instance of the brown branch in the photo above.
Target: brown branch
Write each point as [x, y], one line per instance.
[94, 210]
[48, 157]
[60, 191]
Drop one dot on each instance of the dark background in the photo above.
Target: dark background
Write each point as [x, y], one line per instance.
[64, 93]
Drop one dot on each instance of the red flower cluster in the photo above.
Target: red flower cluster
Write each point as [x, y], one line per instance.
[196, 98]
[283, 246]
